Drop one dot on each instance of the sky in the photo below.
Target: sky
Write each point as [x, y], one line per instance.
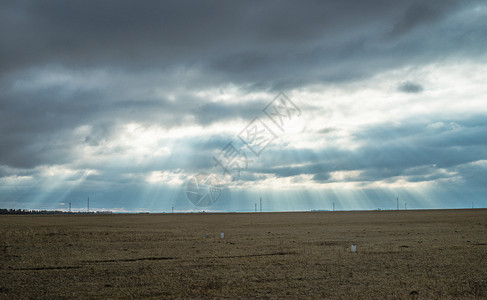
[214, 105]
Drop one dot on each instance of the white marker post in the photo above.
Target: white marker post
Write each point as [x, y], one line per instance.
[222, 234]
[353, 248]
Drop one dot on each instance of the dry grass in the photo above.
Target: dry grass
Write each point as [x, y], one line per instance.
[437, 254]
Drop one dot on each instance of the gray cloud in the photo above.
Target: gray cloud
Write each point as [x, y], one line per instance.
[417, 14]
[410, 88]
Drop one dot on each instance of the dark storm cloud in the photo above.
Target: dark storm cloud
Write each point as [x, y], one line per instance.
[289, 40]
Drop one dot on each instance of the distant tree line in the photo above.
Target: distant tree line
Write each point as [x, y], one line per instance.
[5, 211]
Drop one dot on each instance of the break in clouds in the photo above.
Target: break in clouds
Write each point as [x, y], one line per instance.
[124, 101]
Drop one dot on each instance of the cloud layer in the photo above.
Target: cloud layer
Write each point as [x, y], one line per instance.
[125, 101]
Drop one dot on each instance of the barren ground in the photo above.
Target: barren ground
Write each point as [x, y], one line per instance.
[436, 254]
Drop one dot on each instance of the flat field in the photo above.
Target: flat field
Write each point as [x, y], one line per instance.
[400, 255]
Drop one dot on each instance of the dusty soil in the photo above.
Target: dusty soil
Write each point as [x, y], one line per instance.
[400, 255]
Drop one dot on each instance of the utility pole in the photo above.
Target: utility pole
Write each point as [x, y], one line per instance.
[88, 209]
[333, 206]
[397, 203]
[255, 204]
[172, 209]
[260, 204]
[69, 206]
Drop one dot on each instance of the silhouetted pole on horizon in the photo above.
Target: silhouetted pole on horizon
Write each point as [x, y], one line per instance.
[397, 203]
[260, 204]
[255, 204]
[172, 209]
[333, 206]
[69, 206]
[88, 209]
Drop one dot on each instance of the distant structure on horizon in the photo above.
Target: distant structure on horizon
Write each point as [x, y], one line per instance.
[4, 211]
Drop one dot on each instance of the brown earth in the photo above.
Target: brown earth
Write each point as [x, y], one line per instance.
[400, 255]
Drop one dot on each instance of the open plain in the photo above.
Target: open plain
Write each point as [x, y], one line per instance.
[400, 254]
